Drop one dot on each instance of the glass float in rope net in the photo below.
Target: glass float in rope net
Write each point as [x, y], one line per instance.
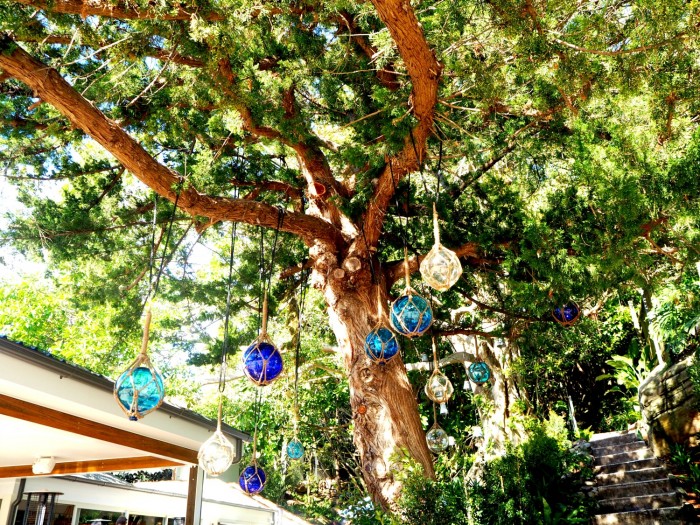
[217, 453]
[567, 315]
[262, 362]
[139, 390]
[295, 450]
[381, 345]
[440, 268]
[439, 388]
[411, 314]
[252, 480]
[479, 372]
[437, 439]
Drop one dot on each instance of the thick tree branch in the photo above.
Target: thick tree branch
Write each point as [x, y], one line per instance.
[424, 71]
[122, 10]
[52, 88]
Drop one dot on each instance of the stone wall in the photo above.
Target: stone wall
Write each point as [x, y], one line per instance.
[670, 408]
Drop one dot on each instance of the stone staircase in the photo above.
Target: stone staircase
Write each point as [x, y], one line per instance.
[632, 486]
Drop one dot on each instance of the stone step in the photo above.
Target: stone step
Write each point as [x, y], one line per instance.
[620, 447]
[612, 438]
[630, 476]
[624, 457]
[666, 516]
[649, 501]
[638, 464]
[636, 488]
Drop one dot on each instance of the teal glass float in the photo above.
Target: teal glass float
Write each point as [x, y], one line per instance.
[567, 315]
[295, 450]
[140, 390]
[381, 345]
[252, 480]
[262, 362]
[479, 372]
[411, 314]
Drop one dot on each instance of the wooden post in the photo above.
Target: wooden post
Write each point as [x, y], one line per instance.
[193, 514]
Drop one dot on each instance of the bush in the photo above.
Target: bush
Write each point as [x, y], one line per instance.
[537, 482]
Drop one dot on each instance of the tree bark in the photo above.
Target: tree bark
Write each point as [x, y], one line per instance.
[387, 425]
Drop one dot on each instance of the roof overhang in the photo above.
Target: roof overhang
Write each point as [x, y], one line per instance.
[52, 408]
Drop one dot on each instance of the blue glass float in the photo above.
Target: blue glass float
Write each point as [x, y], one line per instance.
[295, 450]
[479, 372]
[139, 389]
[262, 362]
[381, 345]
[411, 314]
[253, 479]
[567, 315]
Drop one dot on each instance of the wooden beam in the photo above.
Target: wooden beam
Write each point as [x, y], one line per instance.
[49, 417]
[99, 465]
[195, 486]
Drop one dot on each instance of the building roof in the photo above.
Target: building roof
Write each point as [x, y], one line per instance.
[49, 407]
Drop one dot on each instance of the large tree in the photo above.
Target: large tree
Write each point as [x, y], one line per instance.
[564, 131]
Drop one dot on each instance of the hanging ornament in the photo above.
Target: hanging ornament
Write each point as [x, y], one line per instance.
[381, 343]
[253, 478]
[567, 315]
[262, 362]
[139, 389]
[217, 453]
[411, 314]
[295, 450]
[478, 372]
[439, 388]
[437, 439]
[440, 268]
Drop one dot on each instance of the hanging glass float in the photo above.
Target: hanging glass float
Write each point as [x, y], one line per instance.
[139, 390]
[479, 372]
[252, 480]
[437, 439]
[438, 388]
[381, 345]
[295, 450]
[217, 453]
[411, 314]
[440, 268]
[567, 315]
[262, 361]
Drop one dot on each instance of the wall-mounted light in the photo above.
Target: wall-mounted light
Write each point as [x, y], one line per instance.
[44, 465]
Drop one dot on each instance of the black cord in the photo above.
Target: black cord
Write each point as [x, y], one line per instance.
[224, 350]
[300, 308]
[167, 240]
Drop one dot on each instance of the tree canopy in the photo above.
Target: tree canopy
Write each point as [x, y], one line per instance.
[558, 139]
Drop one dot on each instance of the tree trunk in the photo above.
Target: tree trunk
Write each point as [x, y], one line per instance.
[497, 398]
[387, 426]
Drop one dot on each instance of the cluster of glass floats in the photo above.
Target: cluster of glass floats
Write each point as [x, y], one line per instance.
[411, 315]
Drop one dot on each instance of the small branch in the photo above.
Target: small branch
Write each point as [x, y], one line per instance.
[612, 53]
[457, 357]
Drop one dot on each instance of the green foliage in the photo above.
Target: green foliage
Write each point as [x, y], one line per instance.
[536, 482]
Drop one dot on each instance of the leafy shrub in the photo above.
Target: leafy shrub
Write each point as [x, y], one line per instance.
[537, 482]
